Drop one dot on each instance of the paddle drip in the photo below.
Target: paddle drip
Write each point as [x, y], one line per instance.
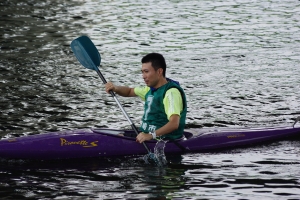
[159, 155]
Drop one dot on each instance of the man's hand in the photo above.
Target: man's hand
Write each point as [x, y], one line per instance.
[143, 137]
[109, 87]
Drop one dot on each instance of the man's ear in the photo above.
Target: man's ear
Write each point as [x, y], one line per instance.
[160, 71]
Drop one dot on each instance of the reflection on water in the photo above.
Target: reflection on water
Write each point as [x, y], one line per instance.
[250, 173]
[237, 61]
[35, 71]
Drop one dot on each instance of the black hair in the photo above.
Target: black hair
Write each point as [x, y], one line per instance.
[157, 61]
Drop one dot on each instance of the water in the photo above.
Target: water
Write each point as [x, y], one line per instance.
[237, 61]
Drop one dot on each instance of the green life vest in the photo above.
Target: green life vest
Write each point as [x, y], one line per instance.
[154, 112]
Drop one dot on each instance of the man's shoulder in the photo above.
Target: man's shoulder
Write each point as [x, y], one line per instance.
[142, 89]
[173, 91]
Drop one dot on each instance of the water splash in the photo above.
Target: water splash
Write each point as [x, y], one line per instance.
[158, 156]
[159, 151]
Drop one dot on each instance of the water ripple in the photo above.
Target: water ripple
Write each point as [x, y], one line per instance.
[237, 61]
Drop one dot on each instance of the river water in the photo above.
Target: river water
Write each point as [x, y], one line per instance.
[237, 61]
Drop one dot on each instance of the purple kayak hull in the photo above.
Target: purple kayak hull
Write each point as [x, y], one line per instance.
[85, 143]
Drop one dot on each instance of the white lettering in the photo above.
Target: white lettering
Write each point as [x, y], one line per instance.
[144, 125]
[149, 102]
[152, 128]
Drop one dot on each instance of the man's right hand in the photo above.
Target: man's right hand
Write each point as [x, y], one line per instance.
[109, 87]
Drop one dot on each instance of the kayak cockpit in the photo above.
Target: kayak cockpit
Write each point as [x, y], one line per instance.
[131, 133]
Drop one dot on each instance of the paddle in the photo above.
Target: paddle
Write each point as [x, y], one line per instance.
[88, 55]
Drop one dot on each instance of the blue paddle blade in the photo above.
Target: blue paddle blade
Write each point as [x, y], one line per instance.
[86, 52]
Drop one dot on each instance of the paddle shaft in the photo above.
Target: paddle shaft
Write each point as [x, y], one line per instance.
[121, 107]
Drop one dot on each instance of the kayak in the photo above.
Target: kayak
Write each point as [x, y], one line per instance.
[100, 143]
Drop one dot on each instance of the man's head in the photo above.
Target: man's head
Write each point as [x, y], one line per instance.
[157, 61]
[153, 69]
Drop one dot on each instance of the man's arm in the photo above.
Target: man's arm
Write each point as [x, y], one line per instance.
[169, 127]
[173, 107]
[120, 90]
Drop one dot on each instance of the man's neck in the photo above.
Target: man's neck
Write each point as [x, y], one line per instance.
[161, 82]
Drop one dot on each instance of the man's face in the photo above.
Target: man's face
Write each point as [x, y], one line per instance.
[150, 76]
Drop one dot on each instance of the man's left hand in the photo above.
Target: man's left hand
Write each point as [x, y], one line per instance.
[143, 137]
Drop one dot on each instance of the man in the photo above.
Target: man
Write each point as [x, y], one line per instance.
[165, 102]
